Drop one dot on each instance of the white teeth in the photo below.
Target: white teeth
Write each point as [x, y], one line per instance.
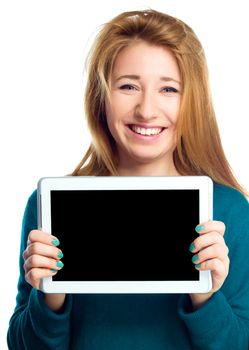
[146, 131]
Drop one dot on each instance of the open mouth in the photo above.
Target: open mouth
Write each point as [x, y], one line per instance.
[146, 131]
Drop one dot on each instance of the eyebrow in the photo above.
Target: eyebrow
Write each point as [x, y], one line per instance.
[137, 77]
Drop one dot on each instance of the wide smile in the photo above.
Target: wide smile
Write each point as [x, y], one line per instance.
[146, 132]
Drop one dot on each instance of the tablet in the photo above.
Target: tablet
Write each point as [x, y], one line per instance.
[125, 234]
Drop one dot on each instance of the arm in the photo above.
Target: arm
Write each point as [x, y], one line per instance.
[34, 325]
[222, 320]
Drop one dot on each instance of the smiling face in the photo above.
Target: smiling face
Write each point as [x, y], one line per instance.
[144, 105]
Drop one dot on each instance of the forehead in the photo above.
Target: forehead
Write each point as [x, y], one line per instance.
[143, 58]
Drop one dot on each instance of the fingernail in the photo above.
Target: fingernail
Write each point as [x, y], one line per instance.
[199, 228]
[53, 270]
[197, 266]
[59, 263]
[60, 255]
[55, 242]
[192, 247]
[195, 258]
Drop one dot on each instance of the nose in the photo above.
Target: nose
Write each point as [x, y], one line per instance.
[146, 109]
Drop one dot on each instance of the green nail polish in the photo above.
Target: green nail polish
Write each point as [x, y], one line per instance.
[59, 263]
[55, 242]
[192, 247]
[60, 255]
[197, 266]
[53, 270]
[195, 258]
[199, 228]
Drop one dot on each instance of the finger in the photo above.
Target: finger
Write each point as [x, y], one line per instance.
[206, 240]
[218, 268]
[38, 248]
[42, 262]
[208, 226]
[218, 251]
[42, 237]
[34, 276]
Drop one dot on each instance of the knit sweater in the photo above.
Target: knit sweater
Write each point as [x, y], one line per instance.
[142, 321]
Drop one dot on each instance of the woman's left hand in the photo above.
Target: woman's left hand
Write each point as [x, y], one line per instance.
[210, 253]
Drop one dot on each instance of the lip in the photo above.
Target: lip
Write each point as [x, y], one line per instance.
[146, 138]
[147, 126]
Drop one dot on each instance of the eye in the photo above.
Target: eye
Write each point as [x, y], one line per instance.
[170, 89]
[127, 87]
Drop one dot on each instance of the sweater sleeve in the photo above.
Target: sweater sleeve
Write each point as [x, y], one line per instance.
[223, 321]
[33, 324]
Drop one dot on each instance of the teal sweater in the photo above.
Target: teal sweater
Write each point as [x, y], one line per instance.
[143, 322]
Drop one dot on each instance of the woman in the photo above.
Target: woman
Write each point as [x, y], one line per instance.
[149, 111]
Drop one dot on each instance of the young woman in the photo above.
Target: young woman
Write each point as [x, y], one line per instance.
[149, 111]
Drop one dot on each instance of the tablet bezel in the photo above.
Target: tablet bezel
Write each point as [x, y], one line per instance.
[202, 183]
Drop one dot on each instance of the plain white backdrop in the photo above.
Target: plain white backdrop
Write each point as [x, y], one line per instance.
[42, 129]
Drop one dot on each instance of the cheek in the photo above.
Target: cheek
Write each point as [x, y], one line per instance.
[113, 114]
[111, 119]
[119, 106]
[107, 109]
[173, 110]
[109, 113]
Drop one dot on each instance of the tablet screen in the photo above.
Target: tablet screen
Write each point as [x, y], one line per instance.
[125, 235]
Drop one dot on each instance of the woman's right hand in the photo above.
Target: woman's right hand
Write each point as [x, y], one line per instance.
[42, 259]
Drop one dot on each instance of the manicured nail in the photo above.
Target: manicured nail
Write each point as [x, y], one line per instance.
[197, 266]
[54, 271]
[192, 247]
[199, 228]
[60, 255]
[195, 258]
[59, 263]
[55, 242]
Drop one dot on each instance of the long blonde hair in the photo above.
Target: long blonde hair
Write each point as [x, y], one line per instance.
[198, 149]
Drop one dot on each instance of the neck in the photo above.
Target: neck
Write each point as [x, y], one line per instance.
[148, 169]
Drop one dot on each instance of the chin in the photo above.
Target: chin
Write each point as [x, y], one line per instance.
[145, 158]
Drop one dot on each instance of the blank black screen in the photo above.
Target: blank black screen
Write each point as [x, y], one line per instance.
[125, 235]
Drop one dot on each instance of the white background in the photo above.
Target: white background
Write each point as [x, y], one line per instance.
[43, 45]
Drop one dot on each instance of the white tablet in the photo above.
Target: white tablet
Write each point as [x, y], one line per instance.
[125, 234]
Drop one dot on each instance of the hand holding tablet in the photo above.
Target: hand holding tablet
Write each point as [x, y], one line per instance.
[125, 234]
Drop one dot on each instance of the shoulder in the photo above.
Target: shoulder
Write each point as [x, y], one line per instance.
[231, 207]
[32, 201]
[227, 198]
[30, 213]
[29, 221]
